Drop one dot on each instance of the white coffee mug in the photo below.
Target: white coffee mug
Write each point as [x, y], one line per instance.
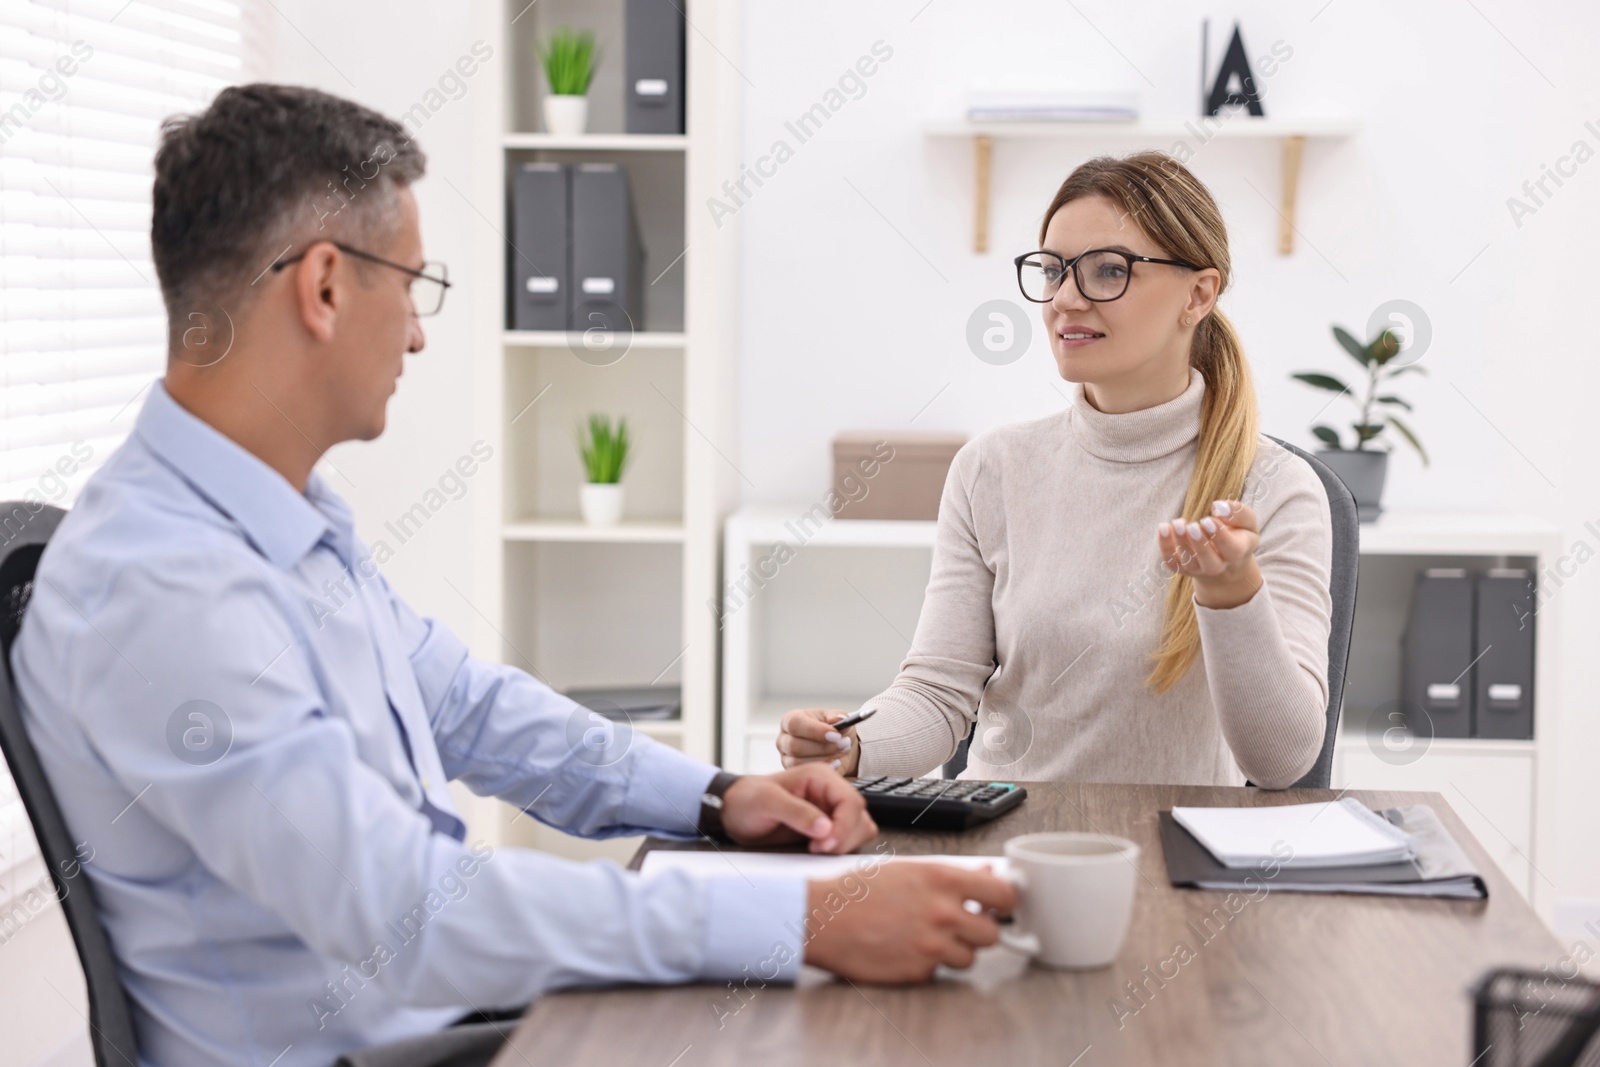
[1074, 897]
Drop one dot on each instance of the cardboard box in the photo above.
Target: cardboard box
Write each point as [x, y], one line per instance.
[892, 475]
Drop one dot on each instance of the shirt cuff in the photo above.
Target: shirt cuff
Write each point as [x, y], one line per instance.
[755, 928]
[664, 788]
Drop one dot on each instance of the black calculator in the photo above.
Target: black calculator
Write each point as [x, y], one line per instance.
[937, 803]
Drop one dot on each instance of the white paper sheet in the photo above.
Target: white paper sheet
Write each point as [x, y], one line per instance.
[729, 864]
[1341, 833]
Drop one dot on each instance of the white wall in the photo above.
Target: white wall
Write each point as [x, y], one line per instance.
[389, 57]
[859, 275]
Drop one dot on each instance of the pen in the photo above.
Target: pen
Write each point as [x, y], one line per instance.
[860, 716]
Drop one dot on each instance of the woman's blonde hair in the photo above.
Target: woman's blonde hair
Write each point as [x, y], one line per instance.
[1169, 204]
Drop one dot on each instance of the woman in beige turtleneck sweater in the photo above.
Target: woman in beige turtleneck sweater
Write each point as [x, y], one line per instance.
[1134, 589]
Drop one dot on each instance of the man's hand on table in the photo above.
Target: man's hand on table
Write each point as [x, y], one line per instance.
[809, 801]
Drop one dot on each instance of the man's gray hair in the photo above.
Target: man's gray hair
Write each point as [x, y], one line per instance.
[264, 169]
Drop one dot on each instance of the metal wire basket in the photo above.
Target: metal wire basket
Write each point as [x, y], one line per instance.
[1535, 1019]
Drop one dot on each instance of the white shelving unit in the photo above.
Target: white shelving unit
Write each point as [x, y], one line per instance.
[629, 604]
[827, 623]
[828, 629]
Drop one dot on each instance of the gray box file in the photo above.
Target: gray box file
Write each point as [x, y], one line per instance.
[1503, 690]
[1436, 654]
[607, 290]
[539, 257]
[653, 66]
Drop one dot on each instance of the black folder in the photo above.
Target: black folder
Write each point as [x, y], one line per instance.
[1441, 869]
[540, 260]
[607, 258]
[653, 61]
[1503, 690]
[1437, 654]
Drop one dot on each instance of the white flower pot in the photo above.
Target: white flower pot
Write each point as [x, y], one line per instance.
[566, 116]
[601, 504]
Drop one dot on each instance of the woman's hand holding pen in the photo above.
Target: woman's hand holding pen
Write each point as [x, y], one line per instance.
[809, 735]
[1218, 552]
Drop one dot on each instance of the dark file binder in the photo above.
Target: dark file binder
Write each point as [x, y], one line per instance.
[540, 257]
[653, 64]
[1440, 868]
[607, 259]
[1436, 655]
[1503, 690]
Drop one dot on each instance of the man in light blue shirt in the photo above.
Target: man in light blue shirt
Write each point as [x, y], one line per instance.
[251, 732]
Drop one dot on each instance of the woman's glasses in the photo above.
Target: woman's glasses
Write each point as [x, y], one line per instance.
[1100, 273]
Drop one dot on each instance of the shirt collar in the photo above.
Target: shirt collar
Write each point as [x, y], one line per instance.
[280, 522]
[1136, 436]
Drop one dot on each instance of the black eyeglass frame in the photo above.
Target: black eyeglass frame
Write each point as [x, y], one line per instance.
[443, 283]
[1072, 265]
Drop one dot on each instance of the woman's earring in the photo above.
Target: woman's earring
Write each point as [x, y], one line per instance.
[1187, 319]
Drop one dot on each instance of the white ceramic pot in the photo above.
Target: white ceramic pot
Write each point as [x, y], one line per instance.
[601, 503]
[566, 116]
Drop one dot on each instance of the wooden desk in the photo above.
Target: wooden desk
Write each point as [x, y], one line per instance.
[1290, 978]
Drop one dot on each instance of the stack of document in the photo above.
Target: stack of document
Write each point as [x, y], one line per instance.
[1059, 106]
[1333, 847]
[1342, 833]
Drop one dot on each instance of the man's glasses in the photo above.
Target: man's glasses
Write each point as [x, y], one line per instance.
[1100, 273]
[427, 285]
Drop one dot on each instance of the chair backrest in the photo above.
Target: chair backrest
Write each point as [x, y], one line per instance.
[1346, 564]
[111, 1031]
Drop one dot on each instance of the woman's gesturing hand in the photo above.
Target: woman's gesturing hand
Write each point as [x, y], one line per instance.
[806, 735]
[1218, 552]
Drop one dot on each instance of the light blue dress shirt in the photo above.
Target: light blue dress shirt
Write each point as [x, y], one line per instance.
[250, 735]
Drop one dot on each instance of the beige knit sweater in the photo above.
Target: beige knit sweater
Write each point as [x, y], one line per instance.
[1045, 602]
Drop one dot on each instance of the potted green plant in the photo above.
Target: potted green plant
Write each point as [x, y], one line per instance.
[1364, 467]
[568, 58]
[604, 449]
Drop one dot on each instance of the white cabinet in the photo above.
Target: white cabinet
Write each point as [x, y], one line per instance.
[1490, 784]
[816, 612]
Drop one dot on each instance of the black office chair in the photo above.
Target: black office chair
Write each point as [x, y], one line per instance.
[24, 533]
[1346, 563]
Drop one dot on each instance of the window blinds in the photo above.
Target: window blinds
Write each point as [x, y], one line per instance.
[84, 86]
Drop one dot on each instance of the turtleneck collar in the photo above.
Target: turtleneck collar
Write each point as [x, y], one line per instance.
[1136, 436]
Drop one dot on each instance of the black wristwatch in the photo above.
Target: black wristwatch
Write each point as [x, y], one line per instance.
[711, 804]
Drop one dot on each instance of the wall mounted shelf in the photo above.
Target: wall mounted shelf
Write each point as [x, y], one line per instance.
[1155, 134]
[577, 531]
[598, 142]
[562, 339]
